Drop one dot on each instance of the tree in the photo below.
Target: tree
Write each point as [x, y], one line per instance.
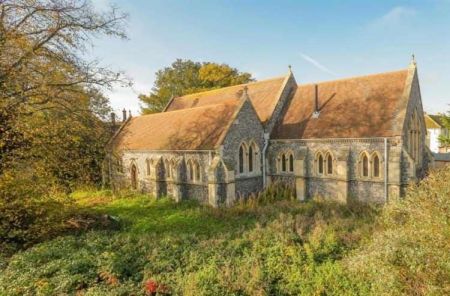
[445, 120]
[52, 110]
[185, 77]
[43, 70]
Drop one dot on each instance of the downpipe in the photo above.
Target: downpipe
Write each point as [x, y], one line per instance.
[264, 163]
[385, 170]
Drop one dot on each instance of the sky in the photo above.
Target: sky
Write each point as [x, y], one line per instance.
[321, 40]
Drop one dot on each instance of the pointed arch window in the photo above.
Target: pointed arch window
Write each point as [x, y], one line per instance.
[133, 176]
[148, 164]
[320, 164]
[291, 162]
[241, 158]
[250, 158]
[197, 172]
[365, 165]
[190, 170]
[283, 163]
[168, 169]
[376, 166]
[329, 164]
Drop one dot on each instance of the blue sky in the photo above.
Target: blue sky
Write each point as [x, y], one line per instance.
[322, 40]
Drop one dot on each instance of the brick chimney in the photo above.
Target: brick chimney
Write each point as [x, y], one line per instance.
[316, 111]
[113, 119]
[124, 115]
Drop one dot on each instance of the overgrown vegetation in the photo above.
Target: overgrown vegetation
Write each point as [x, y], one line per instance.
[255, 248]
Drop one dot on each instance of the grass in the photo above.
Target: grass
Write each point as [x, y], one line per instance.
[184, 245]
[256, 248]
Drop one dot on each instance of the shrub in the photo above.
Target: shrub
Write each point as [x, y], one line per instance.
[410, 255]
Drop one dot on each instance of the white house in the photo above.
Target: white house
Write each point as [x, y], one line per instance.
[435, 128]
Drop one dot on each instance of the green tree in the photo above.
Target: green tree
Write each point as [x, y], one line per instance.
[445, 120]
[185, 77]
[52, 111]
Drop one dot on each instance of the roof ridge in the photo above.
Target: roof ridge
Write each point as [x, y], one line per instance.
[228, 101]
[231, 86]
[353, 77]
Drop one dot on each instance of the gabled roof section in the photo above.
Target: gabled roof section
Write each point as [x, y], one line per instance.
[433, 121]
[359, 107]
[199, 128]
[264, 96]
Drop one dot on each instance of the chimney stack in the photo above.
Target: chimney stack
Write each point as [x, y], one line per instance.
[113, 119]
[316, 102]
[124, 115]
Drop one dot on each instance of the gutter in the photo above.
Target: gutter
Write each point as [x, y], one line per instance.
[266, 145]
[385, 171]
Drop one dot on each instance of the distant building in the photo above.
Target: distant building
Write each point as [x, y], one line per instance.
[360, 137]
[435, 129]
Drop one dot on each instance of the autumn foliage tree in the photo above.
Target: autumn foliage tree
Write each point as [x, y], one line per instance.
[52, 110]
[185, 77]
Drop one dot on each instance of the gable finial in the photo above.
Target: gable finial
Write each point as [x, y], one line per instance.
[413, 60]
[290, 68]
[244, 95]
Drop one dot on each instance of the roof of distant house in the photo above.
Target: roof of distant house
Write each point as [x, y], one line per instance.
[433, 121]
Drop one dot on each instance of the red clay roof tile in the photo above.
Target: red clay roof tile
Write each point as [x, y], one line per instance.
[356, 107]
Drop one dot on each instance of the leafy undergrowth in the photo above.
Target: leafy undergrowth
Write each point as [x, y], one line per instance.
[284, 248]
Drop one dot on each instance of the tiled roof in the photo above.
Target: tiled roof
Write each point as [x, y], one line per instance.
[358, 107]
[263, 94]
[197, 128]
[430, 122]
[433, 121]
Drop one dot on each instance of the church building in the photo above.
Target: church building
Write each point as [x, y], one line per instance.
[355, 138]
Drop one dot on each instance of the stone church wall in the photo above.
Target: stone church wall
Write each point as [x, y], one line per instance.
[156, 180]
[245, 129]
[346, 181]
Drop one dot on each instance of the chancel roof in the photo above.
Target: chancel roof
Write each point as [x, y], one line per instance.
[359, 107]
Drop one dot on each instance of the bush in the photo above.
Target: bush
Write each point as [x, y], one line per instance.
[32, 214]
[411, 253]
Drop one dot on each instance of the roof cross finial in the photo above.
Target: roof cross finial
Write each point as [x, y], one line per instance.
[413, 60]
[244, 95]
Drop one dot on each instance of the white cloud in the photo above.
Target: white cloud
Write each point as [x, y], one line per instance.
[394, 17]
[316, 64]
